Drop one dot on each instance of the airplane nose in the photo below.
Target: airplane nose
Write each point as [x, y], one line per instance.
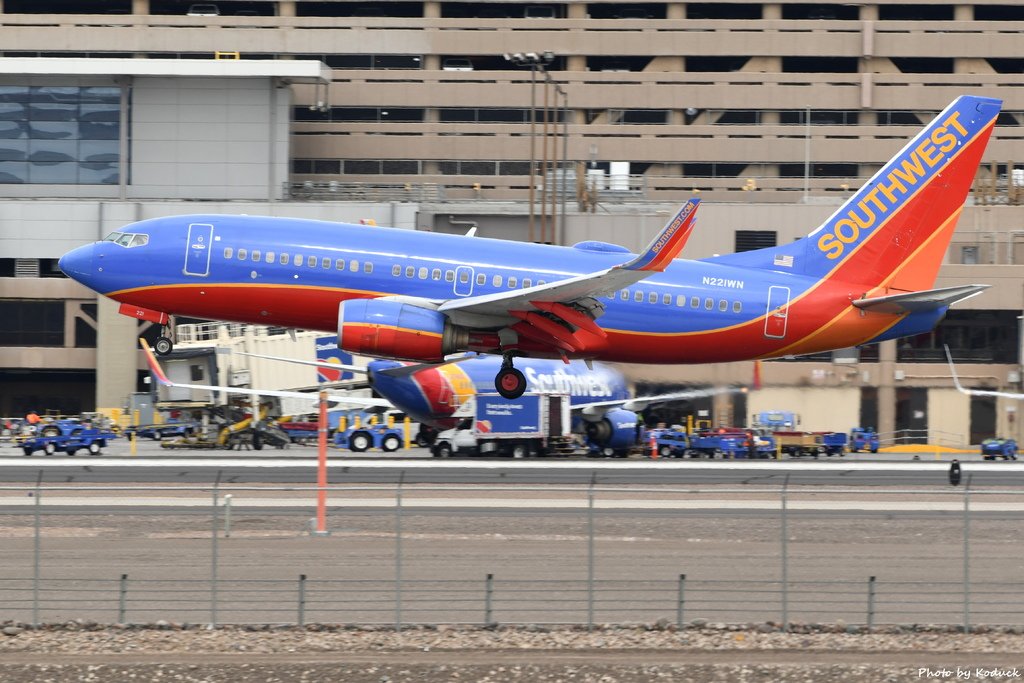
[77, 263]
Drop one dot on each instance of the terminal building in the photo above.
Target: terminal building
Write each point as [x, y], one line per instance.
[550, 122]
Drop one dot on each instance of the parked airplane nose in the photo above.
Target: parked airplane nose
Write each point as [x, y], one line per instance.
[77, 263]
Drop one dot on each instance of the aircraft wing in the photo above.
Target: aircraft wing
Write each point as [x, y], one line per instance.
[638, 403]
[158, 372]
[557, 298]
[927, 300]
[326, 365]
[975, 392]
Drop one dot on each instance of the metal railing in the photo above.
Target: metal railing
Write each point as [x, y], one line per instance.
[492, 600]
[400, 595]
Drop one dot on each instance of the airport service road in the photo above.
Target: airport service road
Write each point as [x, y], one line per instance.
[298, 466]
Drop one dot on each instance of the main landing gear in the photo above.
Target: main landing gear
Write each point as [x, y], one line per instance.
[163, 344]
[509, 382]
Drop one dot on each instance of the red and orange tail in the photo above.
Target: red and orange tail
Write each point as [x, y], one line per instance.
[669, 242]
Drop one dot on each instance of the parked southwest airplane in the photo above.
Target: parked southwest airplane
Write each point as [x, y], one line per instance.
[865, 275]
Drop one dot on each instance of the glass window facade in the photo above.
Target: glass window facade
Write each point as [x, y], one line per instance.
[56, 135]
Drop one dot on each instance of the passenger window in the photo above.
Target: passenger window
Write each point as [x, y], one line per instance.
[481, 278]
[463, 277]
[638, 296]
[497, 280]
[353, 265]
[367, 267]
[541, 282]
[339, 264]
[311, 261]
[694, 302]
[284, 259]
[723, 305]
[624, 295]
[435, 274]
[270, 257]
[242, 253]
[423, 273]
[667, 299]
[410, 271]
[681, 300]
[652, 298]
[297, 261]
[325, 262]
[396, 270]
[449, 276]
[737, 307]
[527, 283]
[228, 251]
[709, 303]
[256, 256]
[513, 281]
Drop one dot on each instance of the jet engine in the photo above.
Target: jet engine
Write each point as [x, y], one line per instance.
[614, 433]
[394, 329]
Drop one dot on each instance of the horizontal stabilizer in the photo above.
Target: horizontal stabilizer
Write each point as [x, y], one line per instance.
[915, 302]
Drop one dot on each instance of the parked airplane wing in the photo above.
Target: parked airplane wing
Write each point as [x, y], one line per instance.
[975, 392]
[913, 302]
[158, 372]
[638, 403]
[654, 259]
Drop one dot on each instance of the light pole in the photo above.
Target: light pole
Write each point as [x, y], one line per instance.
[535, 61]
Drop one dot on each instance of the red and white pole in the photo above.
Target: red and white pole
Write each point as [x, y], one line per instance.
[321, 470]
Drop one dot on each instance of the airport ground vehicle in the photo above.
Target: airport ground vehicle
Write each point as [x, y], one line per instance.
[68, 436]
[723, 442]
[999, 448]
[863, 439]
[299, 432]
[834, 443]
[364, 437]
[797, 444]
[160, 431]
[534, 424]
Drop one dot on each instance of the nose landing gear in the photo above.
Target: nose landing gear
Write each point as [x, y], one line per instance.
[163, 344]
[509, 382]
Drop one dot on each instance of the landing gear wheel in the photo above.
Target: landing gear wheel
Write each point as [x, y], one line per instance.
[163, 346]
[510, 383]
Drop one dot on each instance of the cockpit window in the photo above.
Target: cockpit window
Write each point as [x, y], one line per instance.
[127, 239]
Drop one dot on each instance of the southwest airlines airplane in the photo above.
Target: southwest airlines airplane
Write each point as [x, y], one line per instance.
[865, 275]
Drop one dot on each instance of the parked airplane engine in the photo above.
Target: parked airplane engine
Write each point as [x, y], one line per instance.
[393, 329]
[614, 432]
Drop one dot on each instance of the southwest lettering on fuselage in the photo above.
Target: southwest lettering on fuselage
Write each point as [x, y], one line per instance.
[900, 183]
[561, 382]
[721, 282]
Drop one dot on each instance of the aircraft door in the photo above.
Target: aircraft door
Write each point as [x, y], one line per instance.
[463, 281]
[777, 316]
[198, 249]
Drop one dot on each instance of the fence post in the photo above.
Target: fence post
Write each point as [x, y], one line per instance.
[36, 550]
[122, 599]
[227, 515]
[398, 552]
[871, 602]
[590, 552]
[785, 556]
[681, 600]
[967, 555]
[302, 600]
[214, 560]
[488, 601]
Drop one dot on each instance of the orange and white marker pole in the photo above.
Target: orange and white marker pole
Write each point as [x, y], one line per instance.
[321, 470]
[654, 447]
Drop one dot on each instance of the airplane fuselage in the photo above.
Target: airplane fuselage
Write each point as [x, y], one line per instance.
[295, 273]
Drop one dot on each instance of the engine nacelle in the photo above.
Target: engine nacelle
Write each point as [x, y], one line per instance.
[614, 432]
[393, 329]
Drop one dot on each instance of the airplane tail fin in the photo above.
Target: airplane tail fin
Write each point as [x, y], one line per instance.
[667, 244]
[892, 234]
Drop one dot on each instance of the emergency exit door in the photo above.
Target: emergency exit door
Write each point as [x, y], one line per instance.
[777, 315]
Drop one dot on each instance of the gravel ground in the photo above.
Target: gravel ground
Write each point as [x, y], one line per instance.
[83, 651]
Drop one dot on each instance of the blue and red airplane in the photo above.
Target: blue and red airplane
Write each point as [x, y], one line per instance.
[865, 275]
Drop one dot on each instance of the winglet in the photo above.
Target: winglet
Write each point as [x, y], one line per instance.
[669, 242]
[153, 364]
[952, 370]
